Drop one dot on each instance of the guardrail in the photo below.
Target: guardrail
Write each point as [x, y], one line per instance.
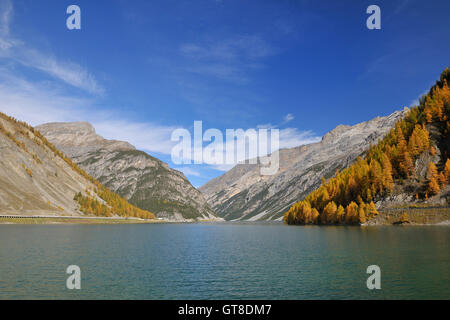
[66, 217]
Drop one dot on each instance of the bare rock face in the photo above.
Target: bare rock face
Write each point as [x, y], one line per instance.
[33, 179]
[79, 138]
[142, 179]
[244, 194]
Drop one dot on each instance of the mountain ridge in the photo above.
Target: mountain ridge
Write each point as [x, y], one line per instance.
[243, 194]
[144, 180]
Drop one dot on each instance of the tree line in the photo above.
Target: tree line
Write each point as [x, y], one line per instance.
[348, 198]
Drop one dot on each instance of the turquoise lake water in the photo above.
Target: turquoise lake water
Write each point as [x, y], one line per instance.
[223, 261]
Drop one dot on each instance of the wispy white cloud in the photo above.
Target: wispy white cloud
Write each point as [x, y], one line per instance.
[6, 11]
[229, 59]
[416, 101]
[266, 126]
[143, 135]
[220, 71]
[222, 167]
[188, 171]
[16, 50]
[293, 137]
[42, 102]
[238, 48]
[37, 102]
[288, 118]
[289, 138]
[67, 71]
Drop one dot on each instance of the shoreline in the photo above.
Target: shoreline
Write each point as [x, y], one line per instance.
[53, 220]
[419, 216]
[387, 217]
[113, 221]
[58, 220]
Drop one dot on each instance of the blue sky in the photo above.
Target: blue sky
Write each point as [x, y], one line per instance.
[139, 69]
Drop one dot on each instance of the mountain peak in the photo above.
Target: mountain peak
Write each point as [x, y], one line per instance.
[79, 137]
[335, 132]
[79, 126]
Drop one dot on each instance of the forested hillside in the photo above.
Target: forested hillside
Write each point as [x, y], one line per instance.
[52, 182]
[412, 160]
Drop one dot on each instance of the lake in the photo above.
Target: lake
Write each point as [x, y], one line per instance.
[223, 261]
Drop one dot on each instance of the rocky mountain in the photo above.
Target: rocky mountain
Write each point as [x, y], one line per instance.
[142, 179]
[34, 179]
[407, 171]
[244, 194]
